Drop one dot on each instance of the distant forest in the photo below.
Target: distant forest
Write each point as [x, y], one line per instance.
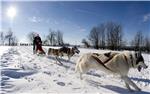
[104, 36]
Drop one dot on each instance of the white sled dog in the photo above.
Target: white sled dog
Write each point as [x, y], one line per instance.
[111, 62]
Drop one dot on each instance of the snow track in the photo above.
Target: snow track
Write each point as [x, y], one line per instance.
[24, 72]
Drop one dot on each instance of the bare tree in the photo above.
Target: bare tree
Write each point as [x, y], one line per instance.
[147, 44]
[2, 38]
[110, 33]
[101, 30]
[14, 40]
[94, 37]
[11, 38]
[59, 38]
[114, 35]
[44, 39]
[45, 42]
[31, 36]
[55, 38]
[51, 37]
[137, 42]
[86, 43]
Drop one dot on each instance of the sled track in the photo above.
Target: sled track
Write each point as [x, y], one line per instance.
[48, 60]
[27, 50]
[8, 73]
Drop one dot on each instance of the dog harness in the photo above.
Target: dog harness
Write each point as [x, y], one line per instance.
[102, 63]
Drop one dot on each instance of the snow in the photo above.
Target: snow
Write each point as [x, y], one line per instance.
[3, 49]
[22, 72]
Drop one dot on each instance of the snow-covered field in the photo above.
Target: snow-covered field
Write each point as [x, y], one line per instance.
[25, 73]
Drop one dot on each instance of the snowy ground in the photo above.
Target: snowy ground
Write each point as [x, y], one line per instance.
[23, 72]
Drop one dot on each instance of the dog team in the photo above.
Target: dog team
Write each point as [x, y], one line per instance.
[117, 63]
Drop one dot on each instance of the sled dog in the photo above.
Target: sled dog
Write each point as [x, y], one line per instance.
[111, 62]
[63, 51]
[56, 53]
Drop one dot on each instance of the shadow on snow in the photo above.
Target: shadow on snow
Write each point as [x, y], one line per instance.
[117, 89]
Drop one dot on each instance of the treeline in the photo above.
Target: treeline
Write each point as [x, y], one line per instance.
[8, 38]
[53, 38]
[110, 36]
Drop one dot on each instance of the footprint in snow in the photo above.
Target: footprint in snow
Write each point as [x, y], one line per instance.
[30, 60]
[69, 83]
[48, 73]
[59, 75]
[77, 88]
[61, 83]
[54, 80]
[4, 61]
[29, 79]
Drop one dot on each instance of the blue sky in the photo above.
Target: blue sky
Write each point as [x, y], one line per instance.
[75, 19]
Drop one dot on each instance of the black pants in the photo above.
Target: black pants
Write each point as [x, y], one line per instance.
[34, 46]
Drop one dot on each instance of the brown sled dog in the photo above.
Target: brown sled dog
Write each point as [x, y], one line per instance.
[63, 51]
